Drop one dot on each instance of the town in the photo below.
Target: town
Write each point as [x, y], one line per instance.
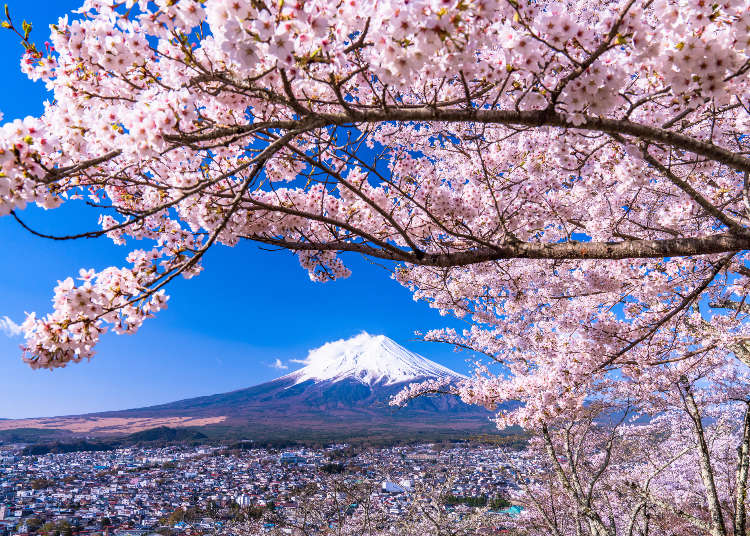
[208, 489]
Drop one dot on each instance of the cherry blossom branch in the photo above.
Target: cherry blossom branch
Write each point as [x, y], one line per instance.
[548, 118]
[686, 301]
[500, 117]
[633, 249]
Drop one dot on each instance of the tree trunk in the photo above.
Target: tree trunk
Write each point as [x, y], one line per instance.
[740, 510]
[707, 474]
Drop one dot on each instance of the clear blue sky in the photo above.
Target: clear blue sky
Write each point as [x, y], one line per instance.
[223, 330]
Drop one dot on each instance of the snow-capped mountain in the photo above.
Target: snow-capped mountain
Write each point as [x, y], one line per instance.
[369, 359]
[342, 391]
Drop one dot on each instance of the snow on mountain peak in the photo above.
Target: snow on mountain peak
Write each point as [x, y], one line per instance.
[369, 359]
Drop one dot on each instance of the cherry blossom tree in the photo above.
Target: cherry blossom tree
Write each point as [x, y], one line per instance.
[665, 476]
[536, 166]
[571, 178]
[627, 452]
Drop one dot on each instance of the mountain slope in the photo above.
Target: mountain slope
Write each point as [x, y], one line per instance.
[356, 375]
[343, 389]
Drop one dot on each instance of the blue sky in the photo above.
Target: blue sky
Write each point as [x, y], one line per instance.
[223, 330]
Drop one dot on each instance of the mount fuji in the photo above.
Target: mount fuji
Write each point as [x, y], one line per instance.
[342, 391]
[371, 360]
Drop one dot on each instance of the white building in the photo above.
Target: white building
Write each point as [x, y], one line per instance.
[243, 500]
[390, 487]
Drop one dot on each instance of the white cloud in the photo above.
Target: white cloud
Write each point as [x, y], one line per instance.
[300, 361]
[10, 328]
[279, 365]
